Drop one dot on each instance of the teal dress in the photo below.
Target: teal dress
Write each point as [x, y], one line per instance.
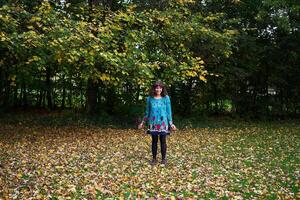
[158, 115]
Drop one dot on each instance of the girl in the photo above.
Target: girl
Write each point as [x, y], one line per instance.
[158, 114]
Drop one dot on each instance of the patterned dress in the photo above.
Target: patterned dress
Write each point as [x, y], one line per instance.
[158, 115]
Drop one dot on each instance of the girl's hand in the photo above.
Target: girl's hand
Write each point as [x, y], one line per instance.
[173, 127]
[141, 125]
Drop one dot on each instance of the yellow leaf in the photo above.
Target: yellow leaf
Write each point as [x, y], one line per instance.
[19, 175]
[202, 78]
[105, 77]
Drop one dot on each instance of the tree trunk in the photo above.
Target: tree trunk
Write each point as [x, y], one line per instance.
[63, 93]
[48, 88]
[81, 96]
[1, 86]
[15, 93]
[70, 96]
[91, 96]
[44, 99]
[24, 96]
[110, 100]
[39, 99]
[215, 96]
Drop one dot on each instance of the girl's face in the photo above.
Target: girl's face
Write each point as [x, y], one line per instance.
[158, 90]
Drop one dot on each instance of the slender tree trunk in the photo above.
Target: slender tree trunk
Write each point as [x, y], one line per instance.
[91, 96]
[15, 93]
[215, 100]
[70, 96]
[234, 101]
[110, 100]
[53, 93]
[44, 99]
[91, 93]
[63, 93]
[2, 89]
[81, 96]
[24, 96]
[63, 101]
[39, 99]
[281, 100]
[48, 88]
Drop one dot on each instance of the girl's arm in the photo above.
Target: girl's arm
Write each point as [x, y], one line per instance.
[169, 111]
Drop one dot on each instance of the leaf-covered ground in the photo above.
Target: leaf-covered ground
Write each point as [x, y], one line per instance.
[247, 162]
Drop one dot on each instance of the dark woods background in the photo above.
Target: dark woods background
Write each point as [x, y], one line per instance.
[239, 58]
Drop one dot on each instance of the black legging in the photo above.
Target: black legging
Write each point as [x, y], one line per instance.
[163, 145]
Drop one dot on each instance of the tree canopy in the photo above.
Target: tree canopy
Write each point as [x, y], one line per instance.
[101, 56]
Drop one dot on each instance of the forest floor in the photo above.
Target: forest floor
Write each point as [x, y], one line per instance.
[225, 161]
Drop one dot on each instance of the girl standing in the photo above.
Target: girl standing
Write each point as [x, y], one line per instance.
[158, 114]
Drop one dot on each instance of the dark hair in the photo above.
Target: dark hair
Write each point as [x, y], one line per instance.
[154, 85]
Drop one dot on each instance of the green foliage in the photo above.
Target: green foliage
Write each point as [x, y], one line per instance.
[209, 51]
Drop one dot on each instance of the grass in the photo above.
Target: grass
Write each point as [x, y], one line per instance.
[60, 157]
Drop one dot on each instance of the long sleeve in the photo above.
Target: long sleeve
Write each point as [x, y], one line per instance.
[147, 111]
[169, 110]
